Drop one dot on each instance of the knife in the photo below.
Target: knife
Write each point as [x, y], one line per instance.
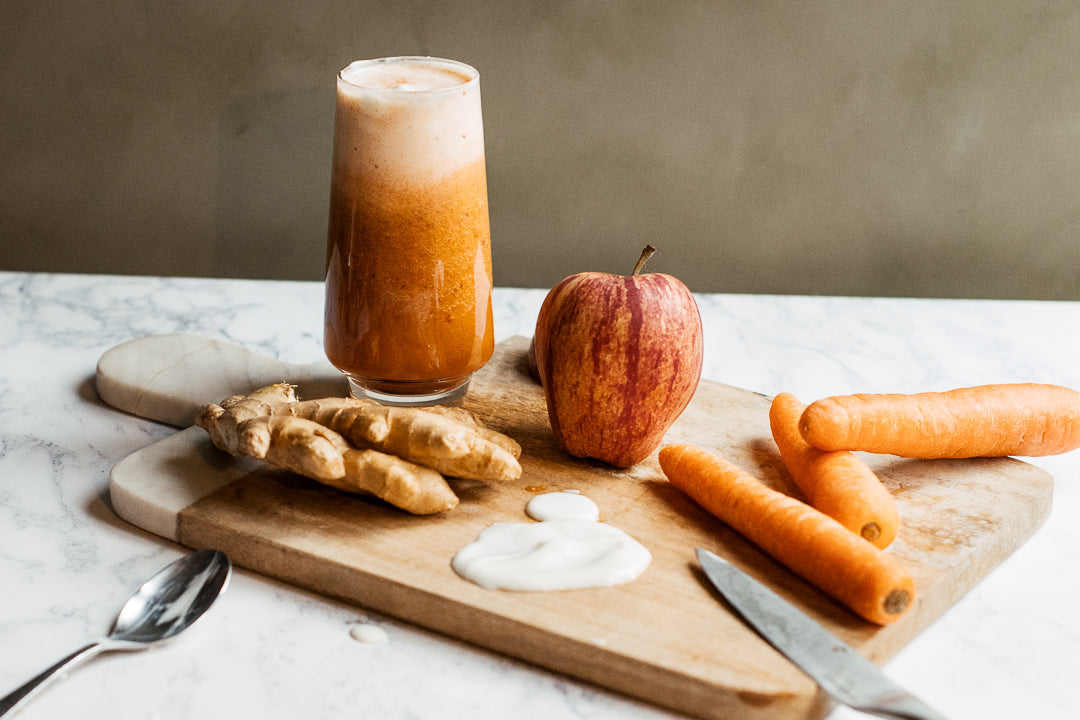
[837, 667]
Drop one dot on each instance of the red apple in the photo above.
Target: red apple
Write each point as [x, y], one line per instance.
[619, 358]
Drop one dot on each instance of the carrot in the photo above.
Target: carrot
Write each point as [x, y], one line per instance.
[837, 483]
[871, 582]
[986, 421]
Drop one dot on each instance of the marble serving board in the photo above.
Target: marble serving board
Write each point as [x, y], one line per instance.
[664, 638]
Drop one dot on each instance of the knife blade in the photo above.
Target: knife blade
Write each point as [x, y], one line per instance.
[837, 667]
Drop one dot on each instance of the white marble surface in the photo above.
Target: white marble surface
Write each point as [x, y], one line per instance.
[1006, 650]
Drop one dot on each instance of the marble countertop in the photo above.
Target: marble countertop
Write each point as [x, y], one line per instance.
[269, 650]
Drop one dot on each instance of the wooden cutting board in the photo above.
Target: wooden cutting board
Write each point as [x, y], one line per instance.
[664, 637]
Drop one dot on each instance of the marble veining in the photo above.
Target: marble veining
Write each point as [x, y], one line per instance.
[269, 650]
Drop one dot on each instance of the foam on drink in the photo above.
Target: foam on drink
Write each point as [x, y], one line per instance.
[411, 116]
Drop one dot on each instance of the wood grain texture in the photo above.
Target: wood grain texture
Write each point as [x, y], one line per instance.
[664, 637]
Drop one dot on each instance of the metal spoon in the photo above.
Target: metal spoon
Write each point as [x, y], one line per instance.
[166, 604]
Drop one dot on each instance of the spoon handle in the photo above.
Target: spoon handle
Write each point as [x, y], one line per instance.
[20, 695]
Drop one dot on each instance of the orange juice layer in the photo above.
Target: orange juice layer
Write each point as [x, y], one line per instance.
[409, 287]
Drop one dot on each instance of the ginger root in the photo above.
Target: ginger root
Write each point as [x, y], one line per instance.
[443, 442]
[397, 454]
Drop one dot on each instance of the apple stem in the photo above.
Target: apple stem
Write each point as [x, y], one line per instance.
[645, 255]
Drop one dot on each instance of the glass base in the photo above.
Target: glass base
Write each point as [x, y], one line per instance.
[410, 394]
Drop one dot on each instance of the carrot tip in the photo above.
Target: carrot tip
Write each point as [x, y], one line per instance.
[897, 601]
[871, 531]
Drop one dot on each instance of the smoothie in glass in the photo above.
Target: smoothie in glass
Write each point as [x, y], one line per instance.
[408, 278]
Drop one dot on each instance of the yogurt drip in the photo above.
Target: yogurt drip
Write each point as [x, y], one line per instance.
[569, 549]
[367, 633]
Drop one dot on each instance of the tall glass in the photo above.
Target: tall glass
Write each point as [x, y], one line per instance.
[408, 267]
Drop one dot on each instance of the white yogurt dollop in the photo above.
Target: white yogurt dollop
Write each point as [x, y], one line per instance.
[566, 505]
[568, 550]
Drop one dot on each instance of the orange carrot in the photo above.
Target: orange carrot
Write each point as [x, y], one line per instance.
[986, 421]
[837, 483]
[869, 581]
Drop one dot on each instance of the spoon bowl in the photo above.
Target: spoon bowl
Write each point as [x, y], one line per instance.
[172, 600]
[162, 607]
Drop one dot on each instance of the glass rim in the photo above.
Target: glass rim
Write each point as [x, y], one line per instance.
[468, 70]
